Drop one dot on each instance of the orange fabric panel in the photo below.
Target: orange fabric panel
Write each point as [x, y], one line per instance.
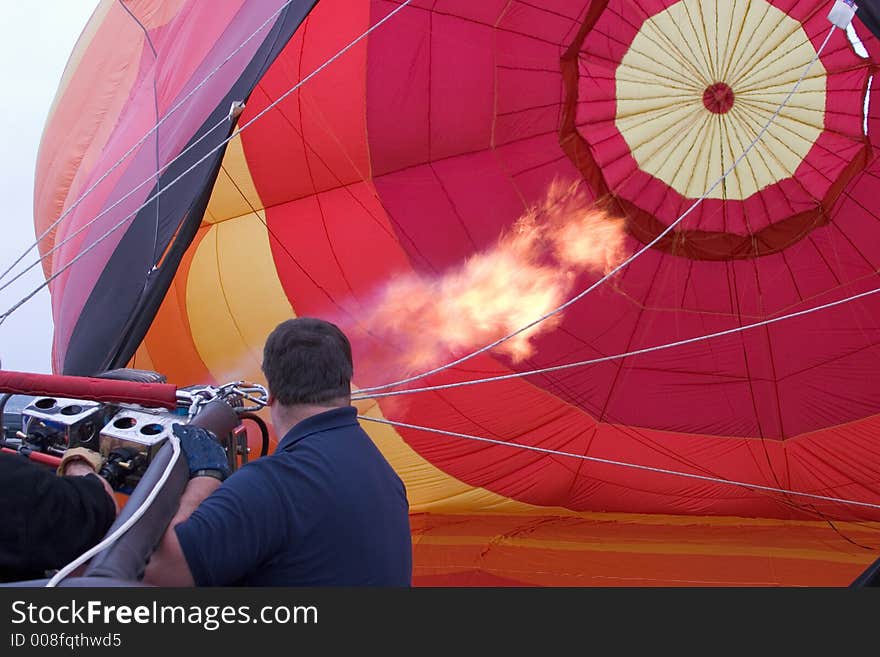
[182, 363]
[634, 550]
[84, 114]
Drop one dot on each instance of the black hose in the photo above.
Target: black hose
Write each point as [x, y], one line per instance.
[131, 374]
[127, 558]
[264, 430]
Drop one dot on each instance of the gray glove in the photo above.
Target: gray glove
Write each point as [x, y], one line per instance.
[205, 456]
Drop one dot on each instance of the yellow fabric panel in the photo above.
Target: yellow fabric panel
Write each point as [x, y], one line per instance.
[234, 193]
[675, 58]
[234, 298]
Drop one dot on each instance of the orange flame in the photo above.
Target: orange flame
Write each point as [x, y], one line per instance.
[496, 292]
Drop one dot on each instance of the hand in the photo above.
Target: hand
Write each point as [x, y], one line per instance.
[80, 457]
[80, 462]
[203, 453]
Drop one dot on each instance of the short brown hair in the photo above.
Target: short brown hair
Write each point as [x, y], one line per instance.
[307, 361]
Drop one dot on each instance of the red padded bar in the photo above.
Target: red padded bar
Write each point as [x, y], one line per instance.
[82, 387]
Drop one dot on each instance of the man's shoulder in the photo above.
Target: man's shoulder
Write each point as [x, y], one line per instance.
[280, 468]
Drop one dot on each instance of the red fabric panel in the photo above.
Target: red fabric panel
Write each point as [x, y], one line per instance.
[435, 197]
[314, 139]
[398, 100]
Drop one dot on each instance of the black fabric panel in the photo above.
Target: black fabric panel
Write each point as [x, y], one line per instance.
[869, 13]
[123, 302]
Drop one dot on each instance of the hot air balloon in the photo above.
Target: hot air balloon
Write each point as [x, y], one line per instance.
[436, 176]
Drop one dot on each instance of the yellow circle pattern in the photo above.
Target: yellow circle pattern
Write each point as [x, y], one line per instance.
[753, 47]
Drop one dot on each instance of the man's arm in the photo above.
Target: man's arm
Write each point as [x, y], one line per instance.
[74, 513]
[204, 455]
[168, 565]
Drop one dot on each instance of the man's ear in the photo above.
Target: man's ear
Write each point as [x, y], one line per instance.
[270, 399]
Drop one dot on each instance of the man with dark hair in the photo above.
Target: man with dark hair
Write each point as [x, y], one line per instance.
[308, 361]
[325, 509]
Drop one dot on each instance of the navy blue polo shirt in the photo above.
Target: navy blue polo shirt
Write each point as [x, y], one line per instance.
[325, 509]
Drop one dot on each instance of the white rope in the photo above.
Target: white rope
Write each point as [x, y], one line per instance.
[124, 527]
[100, 239]
[629, 260]
[595, 459]
[125, 156]
[635, 352]
[79, 230]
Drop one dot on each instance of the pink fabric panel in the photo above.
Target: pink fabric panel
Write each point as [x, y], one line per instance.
[461, 110]
[521, 60]
[486, 12]
[539, 21]
[211, 34]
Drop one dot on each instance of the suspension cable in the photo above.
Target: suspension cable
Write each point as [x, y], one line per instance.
[237, 132]
[623, 464]
[629, 260]
[365, 394]
[132, 150]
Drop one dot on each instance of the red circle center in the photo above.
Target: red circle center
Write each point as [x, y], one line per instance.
[718, 98]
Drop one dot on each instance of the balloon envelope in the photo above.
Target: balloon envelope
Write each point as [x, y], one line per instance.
[436, 174]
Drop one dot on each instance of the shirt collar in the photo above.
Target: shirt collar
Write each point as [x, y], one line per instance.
[332, 419]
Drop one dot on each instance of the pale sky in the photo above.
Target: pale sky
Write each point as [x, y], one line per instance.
[36, 39]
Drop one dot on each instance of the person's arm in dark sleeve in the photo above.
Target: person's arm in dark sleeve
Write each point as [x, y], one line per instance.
[72, 513]
[223, 538]
[233, 531]
[171, 564]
